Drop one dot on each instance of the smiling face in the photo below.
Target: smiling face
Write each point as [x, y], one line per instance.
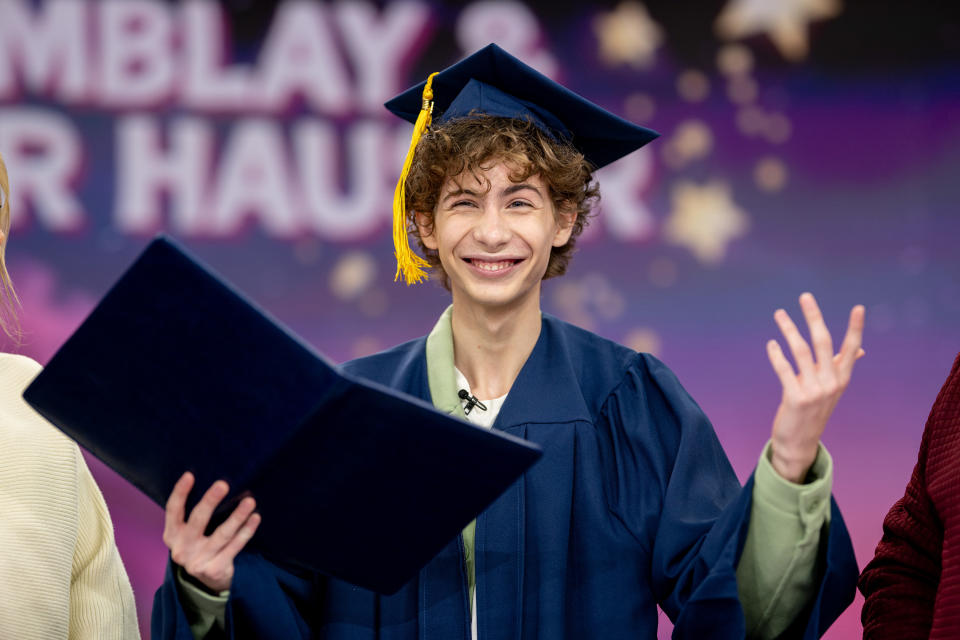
[465, 146]
[493, 235]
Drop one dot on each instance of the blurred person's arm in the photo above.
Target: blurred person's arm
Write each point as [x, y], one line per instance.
[900, 584]
[101, 599]
[60, 572]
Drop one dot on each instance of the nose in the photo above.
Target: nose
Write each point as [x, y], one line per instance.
[491, 229]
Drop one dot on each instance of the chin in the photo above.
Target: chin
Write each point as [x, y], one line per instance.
[497, 297]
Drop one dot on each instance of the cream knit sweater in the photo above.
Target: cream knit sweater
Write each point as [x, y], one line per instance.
[60, 573]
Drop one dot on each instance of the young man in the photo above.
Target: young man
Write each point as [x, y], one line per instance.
[633, 504]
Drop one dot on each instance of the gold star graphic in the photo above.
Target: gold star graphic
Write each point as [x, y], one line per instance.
[784, 21]
[628, 35]
[704, 219]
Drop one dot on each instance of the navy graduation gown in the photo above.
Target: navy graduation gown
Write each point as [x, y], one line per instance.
[634, 503]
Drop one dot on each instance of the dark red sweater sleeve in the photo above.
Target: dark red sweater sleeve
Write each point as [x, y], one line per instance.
[900, 583]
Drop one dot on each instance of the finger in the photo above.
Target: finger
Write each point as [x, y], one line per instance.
[839, 356]
[200, 516]
[781, 366]
[819, 335]
[174, 510]
[850, 349]
[239, 540]
[229, 527]
[802, 355]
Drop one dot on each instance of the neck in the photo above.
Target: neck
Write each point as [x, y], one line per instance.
[490, 346]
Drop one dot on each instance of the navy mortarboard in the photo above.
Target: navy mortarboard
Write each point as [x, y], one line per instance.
[493, 82]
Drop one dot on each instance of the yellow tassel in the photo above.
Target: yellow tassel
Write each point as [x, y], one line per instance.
[409, 263]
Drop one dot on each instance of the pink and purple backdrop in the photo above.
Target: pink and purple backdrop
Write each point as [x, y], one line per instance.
[807, 145]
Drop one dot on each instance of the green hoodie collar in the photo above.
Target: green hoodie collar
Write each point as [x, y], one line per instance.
[441, 375]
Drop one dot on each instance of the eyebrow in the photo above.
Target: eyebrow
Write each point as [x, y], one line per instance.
[459, 192]
[520, 187]
[512, 189]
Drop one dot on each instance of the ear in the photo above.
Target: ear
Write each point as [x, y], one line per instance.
[425, 229]
[566, 216]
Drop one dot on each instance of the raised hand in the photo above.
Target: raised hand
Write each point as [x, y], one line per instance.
[811, 392]
[208, 559]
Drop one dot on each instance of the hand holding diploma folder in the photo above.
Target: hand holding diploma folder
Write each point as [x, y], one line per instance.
[176, 371]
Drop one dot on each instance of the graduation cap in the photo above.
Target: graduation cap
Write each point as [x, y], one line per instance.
[493, 82]
[174, 370]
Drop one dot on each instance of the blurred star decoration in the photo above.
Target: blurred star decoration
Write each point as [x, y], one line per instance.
[785, 22]
[366, 345]
[353, 275]
[734, 60]
[587, 300]
[691, 140]
[353, 279]
[643, 340]
[704, 219]
[770, 174]
[628, 35]
[693, 85]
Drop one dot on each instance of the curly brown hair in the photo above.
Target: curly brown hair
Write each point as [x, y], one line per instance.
[471, 144]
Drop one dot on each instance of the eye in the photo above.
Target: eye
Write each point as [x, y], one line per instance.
[517, 204]
[463, 203]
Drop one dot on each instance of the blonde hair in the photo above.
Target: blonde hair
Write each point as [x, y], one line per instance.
[8, 305]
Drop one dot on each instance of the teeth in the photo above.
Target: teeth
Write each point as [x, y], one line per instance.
[493, 266]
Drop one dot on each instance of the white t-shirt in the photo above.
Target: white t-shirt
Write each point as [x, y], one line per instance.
[481, 418]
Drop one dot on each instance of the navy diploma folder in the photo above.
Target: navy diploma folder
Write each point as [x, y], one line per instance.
[174, 370]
